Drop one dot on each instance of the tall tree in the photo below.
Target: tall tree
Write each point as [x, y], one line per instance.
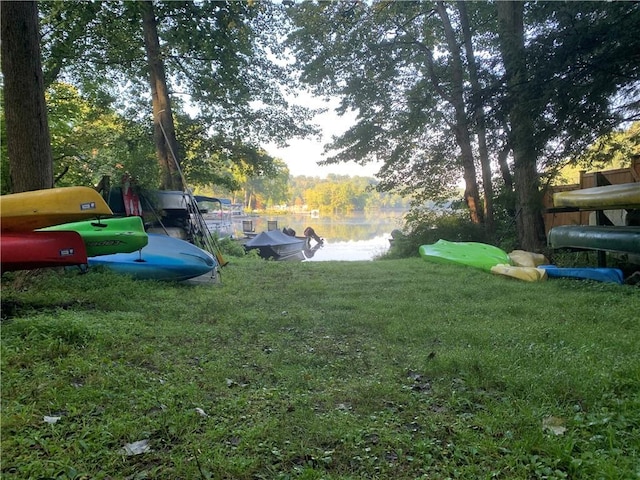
[218, 63]
[28, 141]
[477, 113]
[461, 124]
[550, 77]
[164, 133]
[522, 107]
[399, 65]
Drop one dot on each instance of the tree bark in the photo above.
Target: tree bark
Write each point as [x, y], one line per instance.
[478, 116]
[525, 153]
[461, 127]
[164, 133]
[28, 139]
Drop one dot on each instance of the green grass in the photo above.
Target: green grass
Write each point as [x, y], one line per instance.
[386, 369]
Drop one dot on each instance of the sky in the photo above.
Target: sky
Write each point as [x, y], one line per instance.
[302, 155]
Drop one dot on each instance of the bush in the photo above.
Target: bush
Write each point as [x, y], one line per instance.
[428, 226]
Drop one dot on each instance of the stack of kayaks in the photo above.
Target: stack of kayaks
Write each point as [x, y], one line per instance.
[617, 238]
[21, 213]
[64, 226]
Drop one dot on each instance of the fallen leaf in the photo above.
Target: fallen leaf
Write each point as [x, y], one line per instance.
[136, 448]
[554, 424]
[201, 412]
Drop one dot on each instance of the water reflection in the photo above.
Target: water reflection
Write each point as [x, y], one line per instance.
[351, 250]
[346, 237]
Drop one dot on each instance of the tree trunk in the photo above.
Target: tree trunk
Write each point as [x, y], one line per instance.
[478, 116]
[28, 140]
[461, 128]
[525, 154]
[164, 133]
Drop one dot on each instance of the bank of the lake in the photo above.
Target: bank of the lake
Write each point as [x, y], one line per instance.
[384, 369]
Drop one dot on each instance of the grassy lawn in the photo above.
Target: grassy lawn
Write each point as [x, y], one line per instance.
[389, 369]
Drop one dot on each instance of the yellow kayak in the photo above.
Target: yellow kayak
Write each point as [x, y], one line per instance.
[609, 197]
[528, 274]
[27, 211]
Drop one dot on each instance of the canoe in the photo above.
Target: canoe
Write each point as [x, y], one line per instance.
[472, 254]
[612, 275]
[29, 250]
[595, 237]
[107, 236]
[27, 211]
[164, 258]
[608, 197]
[277, 245]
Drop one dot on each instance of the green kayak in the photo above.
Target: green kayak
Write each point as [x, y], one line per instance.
[108, 236]
[473, 254]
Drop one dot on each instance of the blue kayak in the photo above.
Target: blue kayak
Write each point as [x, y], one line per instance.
[612, 275]
[163, 258]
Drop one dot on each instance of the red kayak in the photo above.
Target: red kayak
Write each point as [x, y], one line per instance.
[29, 250]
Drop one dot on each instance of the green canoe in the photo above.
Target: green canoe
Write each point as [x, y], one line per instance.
[473, 254]
[108, 236]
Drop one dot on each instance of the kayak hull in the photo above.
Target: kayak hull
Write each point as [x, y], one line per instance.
[609, 197]
[108, 236]
[611, 275]
[596, 237]
[164, 258]
[527, 274]
[27, 211]
[472, 254]
[30, 250]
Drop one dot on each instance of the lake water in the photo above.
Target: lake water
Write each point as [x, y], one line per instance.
[354, 237]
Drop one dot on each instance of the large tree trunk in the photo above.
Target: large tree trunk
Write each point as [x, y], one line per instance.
[461, 127]
[164, 131]
[28, 140]
[478, 116]
[520, 101]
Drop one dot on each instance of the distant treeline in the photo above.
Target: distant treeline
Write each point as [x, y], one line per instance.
[333, 194]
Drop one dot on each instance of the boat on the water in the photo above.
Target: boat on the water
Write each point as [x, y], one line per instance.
[27, 211]
[164, 258]
[473, 254]
[31, 250]
[277, 245]
[108, 236]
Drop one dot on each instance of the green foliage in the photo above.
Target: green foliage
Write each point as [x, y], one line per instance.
[341, 194]
[89, 142]
[396, 369]
[392, 64]
[613, 150]
[430, 225]
[218, 59]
